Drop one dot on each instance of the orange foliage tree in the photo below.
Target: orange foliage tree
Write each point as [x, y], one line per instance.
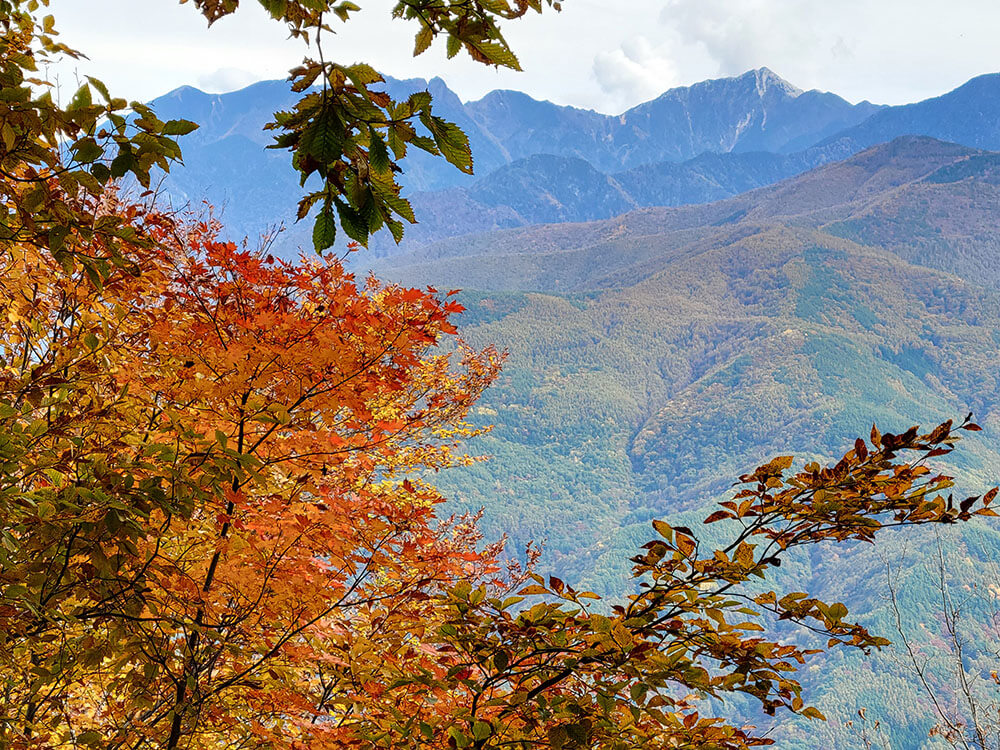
[212, 493]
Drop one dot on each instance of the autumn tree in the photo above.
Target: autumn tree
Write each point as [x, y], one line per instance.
[211, 497]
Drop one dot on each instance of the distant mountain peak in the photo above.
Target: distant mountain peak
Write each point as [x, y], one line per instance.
[765, 79]
[760, 81]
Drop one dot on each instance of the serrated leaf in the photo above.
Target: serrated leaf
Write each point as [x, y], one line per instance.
[499, 54]
[423, 40]
[378, 154]
[324, 230]
[324, 138]
[452, 141]
[179, 127]
[351, 221]
[362, 75]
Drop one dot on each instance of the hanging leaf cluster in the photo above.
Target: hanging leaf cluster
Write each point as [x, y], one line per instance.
[350, 134]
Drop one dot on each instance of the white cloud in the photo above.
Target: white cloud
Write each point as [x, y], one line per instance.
[743, 34]
[603, 54]
[635, 71]
[891, 51]
[226, 79]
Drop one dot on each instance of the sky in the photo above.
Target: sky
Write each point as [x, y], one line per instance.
[606, 55]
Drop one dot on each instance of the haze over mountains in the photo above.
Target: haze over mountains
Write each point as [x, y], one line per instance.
[538, 162]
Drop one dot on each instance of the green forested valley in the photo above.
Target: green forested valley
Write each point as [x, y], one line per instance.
[656, 357]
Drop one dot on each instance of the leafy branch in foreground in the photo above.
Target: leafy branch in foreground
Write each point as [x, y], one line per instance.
[57, 161]
[559, 673]
[348, 131]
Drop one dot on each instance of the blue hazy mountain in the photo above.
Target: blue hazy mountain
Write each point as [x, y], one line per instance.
[757, 111]
[538, 162]
[228, 165]
[969, 115]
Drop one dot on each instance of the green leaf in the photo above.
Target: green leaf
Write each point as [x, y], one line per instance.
[362, 75]
[100, 172]
[353, 224]
[276, 8]
[101, 88]
[122, 164]
[324, 138]
[423, 40]
[451, 140]
[87, 150]
[378, 155]
[498, 54]
[324, 230]
[81, 99]
[179, 127]
[664, 529]
[501, 660]
[837, 612]
[419, 101]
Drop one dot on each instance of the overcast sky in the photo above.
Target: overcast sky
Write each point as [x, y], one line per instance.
[606, 55]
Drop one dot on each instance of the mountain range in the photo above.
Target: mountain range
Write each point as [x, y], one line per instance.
[538, 162]
[656, 356]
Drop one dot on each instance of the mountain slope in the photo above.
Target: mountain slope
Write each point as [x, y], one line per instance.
[545, 189]
[969, 115]
[747, 316]
[670, 350]
[757, 111]
[930, 202]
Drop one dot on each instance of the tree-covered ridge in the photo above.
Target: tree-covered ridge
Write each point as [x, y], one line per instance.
[929, 201]
[703, 337]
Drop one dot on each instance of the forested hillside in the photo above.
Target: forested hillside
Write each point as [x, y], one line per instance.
[655, 356]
